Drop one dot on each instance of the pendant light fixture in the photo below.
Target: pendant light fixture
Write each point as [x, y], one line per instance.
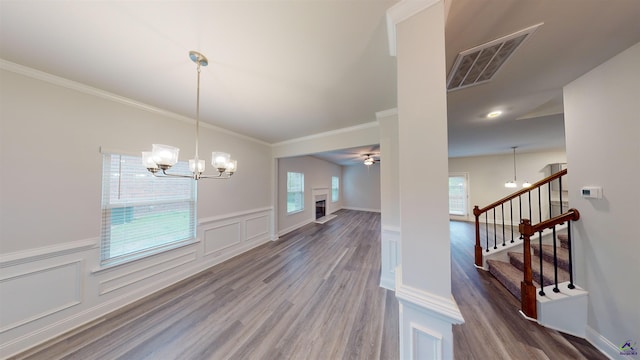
[512, 183]
[162, 157]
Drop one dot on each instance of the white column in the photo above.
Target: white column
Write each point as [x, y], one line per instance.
[389, 197]
[423, 279]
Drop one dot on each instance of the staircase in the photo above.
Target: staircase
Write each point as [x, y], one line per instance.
[510, 274]
[535, 267]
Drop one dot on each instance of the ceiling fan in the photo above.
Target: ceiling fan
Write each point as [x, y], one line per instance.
[369, 159]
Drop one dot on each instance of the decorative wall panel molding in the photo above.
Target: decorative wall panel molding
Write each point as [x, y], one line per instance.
[27, 256]
[51, 290]
[129, 278]
[426, 343]
[257, 227]
[35, 294]
[390, 247]
[221, 237]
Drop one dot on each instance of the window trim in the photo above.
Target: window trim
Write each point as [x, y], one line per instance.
[301, 209]
[106, 208]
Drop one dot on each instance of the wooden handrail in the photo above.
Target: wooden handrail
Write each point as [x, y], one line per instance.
[527, 289]
[527, 229]
[477, 211]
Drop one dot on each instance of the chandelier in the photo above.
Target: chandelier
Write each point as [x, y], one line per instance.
[512, 183]
[162, 157]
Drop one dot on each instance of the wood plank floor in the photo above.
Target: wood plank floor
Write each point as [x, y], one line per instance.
[313, 294]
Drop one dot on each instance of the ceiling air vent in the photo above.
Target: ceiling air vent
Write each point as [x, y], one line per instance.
[481, 63]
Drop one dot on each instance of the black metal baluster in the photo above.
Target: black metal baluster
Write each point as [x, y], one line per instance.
[530, 214]
[486, 228]
[555, 262]
[571, 286]
[511, 209]
[560, 187]
[502, 210]
[520, 205]
[495, 231]
[539, 205]
[550, 211]
[540, 256]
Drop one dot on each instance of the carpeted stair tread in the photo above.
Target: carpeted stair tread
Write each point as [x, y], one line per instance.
[508, 275]
[562, 255]
[517, 260]
[564, 240]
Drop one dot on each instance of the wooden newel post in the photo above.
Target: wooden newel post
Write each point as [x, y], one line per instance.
[478, 257]
[527, 289]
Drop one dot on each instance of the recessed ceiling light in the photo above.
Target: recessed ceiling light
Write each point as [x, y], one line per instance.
[494, 114]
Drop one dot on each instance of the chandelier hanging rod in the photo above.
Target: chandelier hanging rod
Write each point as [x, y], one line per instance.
[163, 157]
[512, 183]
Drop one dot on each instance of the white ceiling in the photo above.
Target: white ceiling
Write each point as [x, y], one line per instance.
[280, 70]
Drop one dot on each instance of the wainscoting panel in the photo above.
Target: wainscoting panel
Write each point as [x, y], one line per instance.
[221, 237]
[390, 243]
[257, 228]
[426, 344]
[39, 292]
[47, 291]
[129, 278]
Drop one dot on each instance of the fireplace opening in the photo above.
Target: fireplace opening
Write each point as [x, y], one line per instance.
[321, 208]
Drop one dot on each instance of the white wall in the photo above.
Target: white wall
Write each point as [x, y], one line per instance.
[487, 174]
[361, 187]
[317, 175]
[389, 183]
[51, 132]
[603, 148]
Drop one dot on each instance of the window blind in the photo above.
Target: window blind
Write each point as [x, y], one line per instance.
[295, 192]
[142, 214]
[335, 188]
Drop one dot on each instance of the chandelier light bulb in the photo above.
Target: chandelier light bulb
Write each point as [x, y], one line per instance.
[220, 160]
[232, 166]
[164, 155]
[192, 166]
[147, 160]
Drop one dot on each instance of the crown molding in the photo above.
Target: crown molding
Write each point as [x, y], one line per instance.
[368, 125]
[401, 12]
[89, 90]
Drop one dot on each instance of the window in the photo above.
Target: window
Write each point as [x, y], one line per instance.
[335, 188]
[458, 195]
[142, 214]
[295, 192]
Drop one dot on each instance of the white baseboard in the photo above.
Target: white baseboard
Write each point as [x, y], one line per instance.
[360, 209]
[294, 227]
[603, 344]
